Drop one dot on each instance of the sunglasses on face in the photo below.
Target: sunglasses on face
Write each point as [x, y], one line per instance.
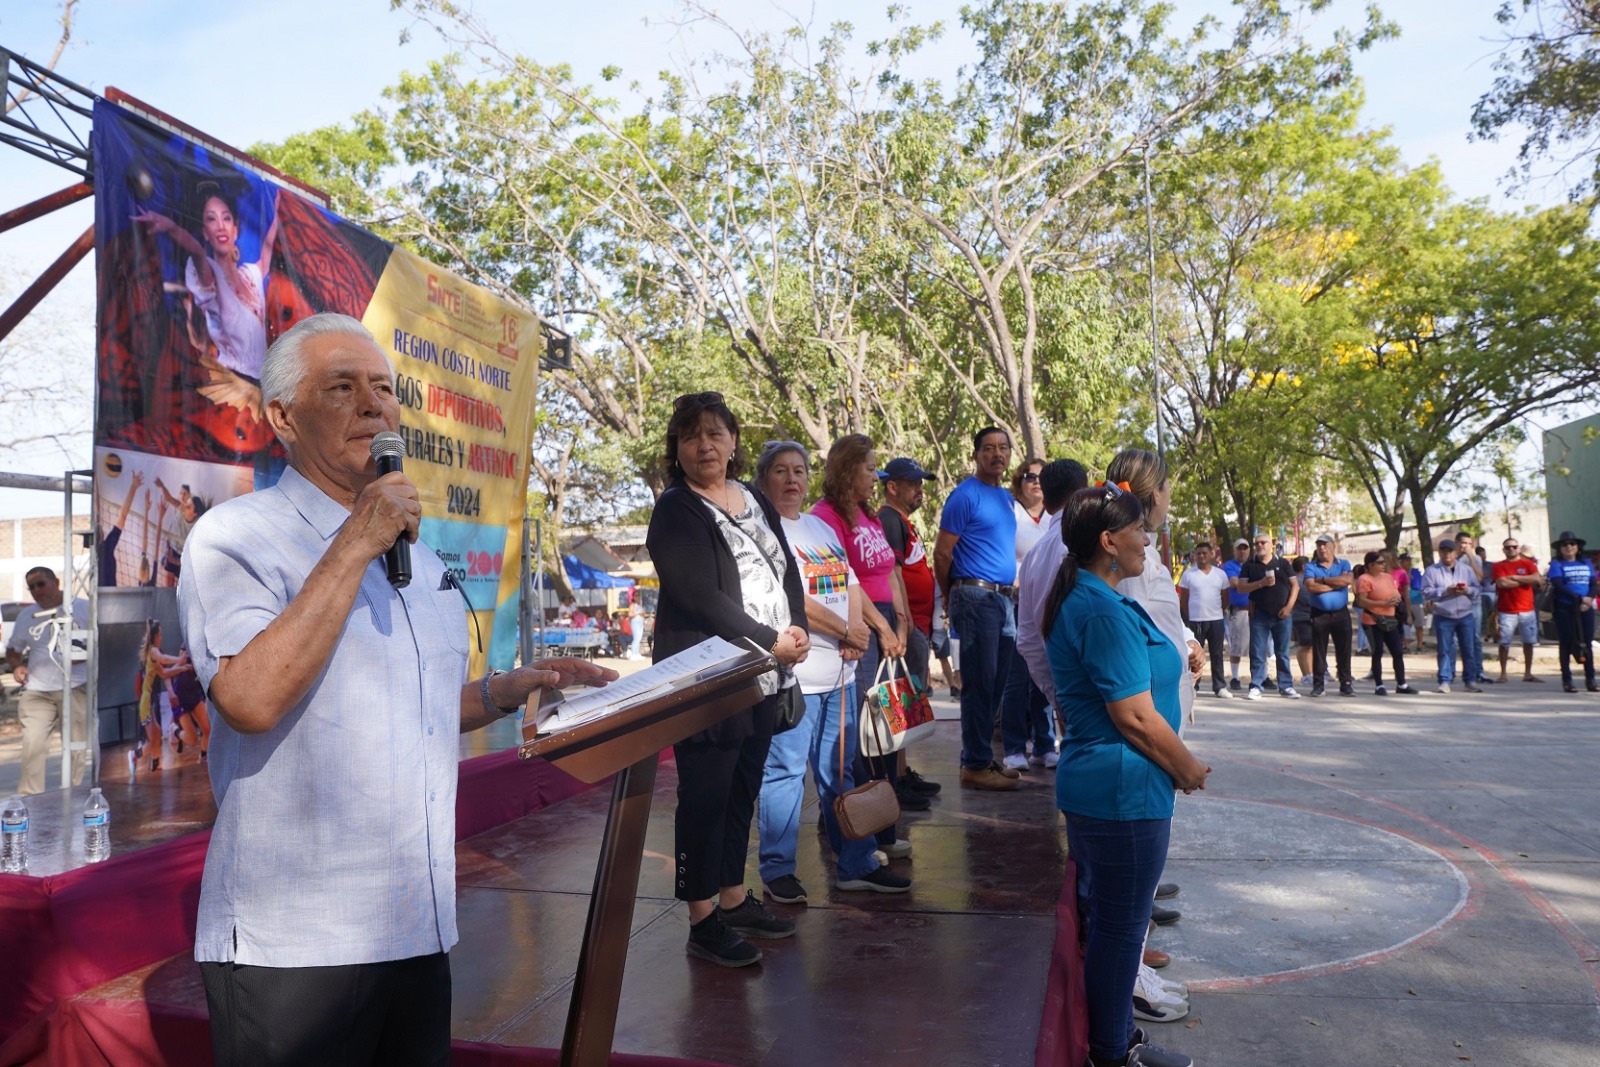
[1030, 477]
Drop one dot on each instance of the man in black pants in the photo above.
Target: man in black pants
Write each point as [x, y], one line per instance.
[1328, 580]
[1203, 594]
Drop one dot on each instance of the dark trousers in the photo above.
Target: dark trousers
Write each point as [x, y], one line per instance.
[869, 768]
[1394, 640]
[1575, 631]
[718, 783]
[987, 625]
[394, 1012]
[1211, 634]
[1023, 713]
[1336, 623]
[1119, 864]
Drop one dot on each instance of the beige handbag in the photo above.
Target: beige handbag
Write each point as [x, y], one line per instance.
[866, 809]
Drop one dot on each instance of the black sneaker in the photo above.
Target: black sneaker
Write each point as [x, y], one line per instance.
[1164, 916]
[786, 889]
[1407, 688]
[1142, 1053]
[752, 919]
[1269, 684]
[711, 939]
[1317, 690]
[1379, 691]
[878, 881]
[1234, 685]
[1347, 689]
[1166, 890]
[910, 801]
[918, 784]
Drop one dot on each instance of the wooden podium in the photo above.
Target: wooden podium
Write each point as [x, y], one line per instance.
[628, 744]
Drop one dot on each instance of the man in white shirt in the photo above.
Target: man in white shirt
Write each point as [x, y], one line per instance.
[33, 651]
[1203, 590]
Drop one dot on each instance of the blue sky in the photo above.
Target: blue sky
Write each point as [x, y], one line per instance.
[248, 73]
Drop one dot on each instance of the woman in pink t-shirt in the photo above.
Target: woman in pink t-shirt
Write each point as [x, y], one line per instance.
[849, 480]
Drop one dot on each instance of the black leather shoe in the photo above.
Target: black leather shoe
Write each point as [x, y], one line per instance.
[1164, 916]
[1166, 890]
[918, 784]
[910, 801]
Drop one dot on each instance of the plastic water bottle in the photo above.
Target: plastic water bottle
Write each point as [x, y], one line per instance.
[96, 827]
[14, 836]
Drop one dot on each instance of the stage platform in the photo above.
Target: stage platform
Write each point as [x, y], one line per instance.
[953, 973]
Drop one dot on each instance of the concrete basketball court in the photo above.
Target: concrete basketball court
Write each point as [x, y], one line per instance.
[1391, 880]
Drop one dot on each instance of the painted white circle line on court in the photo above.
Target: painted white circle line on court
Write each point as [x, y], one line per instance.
[1461, 906]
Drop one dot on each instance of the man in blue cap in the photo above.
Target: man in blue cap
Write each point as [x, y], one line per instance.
[902, 480]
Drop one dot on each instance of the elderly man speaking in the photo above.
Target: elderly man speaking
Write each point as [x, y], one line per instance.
[327, 907]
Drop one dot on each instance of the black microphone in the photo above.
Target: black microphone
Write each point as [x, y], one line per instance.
[389, 449]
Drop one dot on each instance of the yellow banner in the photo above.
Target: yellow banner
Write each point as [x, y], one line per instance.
[466, 367]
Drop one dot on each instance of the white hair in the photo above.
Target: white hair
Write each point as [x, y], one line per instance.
[285, 365]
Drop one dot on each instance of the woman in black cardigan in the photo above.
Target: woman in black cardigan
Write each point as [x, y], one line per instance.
[725, 571]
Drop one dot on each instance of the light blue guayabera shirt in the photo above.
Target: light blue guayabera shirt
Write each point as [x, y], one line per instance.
[1338, 598]
[1103, 648]
[335, 834]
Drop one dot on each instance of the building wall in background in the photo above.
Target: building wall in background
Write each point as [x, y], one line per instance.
[1572, 478]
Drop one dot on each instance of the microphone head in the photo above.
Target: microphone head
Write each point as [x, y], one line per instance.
[388, 443]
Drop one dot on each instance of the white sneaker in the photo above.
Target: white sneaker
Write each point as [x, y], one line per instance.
[1306, 681]
[1444, 687]
[899, 850]
[1151, 1003]
[1018, 762]
[1224, 693]
[1290, 692]
[1051, 758]
[881, 856]
[1254, 693]
[1153, 987]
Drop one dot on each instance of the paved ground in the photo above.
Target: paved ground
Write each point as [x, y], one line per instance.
[1392, 881]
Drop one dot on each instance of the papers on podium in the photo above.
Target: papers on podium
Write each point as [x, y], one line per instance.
[711, 656]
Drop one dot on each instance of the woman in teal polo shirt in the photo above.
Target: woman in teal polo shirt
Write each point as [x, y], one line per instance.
[1117, 686]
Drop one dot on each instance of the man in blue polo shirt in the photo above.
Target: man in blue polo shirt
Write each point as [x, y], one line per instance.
[1327, 580]
[975, 564]
[1238, 611]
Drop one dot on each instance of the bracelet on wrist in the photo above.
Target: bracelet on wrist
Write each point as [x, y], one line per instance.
[489, 704]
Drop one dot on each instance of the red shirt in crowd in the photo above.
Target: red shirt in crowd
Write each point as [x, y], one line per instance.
[914, 568]
[1519, 600]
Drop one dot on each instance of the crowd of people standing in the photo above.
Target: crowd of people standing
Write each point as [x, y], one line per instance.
[1076, 650]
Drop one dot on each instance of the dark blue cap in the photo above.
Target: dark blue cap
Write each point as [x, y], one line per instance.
[904, 470]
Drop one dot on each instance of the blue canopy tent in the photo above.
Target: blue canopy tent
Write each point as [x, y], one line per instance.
[582, 576]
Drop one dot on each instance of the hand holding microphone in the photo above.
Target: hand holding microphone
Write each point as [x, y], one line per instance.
[387, 512]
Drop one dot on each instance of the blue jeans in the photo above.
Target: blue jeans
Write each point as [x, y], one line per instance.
[987, 623]
[783, 786]
[1119, 864]
[1024, 712]
[1266, 626]
[1449, 633]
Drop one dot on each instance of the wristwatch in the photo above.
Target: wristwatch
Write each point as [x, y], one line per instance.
[488, 701]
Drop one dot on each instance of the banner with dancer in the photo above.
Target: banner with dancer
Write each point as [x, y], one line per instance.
[201, 265]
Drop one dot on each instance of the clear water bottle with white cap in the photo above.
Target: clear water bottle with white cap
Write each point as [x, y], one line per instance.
[96, 827]
[14, 836]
